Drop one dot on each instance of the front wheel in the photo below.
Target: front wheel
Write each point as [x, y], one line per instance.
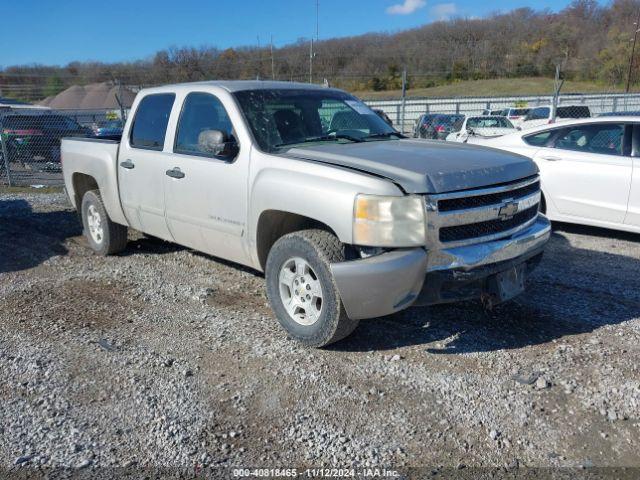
[104, 236]
[301, 288]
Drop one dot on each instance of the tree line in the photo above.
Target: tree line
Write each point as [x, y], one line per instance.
[590, 41]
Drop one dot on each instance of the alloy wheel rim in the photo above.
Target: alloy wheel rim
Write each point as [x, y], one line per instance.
[94, 222]
[300, 291]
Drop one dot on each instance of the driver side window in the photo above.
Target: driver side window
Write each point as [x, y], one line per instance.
[201, 114]
[605, 139]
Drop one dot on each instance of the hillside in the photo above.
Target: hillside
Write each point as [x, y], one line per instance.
[493, 87]
[589, 40]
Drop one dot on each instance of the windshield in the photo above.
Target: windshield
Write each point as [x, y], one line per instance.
[489, 122]
[281, 118]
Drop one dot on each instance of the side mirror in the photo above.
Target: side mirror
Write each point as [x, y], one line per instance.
[218, 144]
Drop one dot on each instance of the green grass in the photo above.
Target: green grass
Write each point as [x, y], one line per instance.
[4, 189]
[494, 87]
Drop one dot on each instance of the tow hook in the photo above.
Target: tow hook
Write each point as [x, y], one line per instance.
[487, 301]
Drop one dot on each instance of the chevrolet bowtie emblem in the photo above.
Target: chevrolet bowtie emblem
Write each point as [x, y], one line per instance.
[508, 210]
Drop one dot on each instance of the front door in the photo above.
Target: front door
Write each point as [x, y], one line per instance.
[633, 209]
[141, 163]
[587, 171]
[206, 191]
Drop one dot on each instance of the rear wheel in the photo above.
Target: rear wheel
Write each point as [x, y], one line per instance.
[104, 236]
[301, 288]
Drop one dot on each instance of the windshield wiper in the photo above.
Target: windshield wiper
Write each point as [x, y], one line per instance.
[324, 138]
[386, 135]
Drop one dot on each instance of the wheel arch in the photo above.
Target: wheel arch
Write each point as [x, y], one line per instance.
[82, 183]
[274, 224]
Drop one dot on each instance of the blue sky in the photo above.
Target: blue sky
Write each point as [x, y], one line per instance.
[55, 32]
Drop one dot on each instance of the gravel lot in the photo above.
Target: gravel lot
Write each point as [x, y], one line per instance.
[163, 358]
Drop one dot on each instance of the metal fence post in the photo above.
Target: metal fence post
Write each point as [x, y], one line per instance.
[5, 156]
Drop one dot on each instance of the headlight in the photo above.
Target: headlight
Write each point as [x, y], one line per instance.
[389, 221]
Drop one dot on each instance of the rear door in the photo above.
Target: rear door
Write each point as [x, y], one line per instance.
[141, 171]
[587, 171]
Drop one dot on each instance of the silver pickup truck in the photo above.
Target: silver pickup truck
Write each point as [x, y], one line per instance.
[346, 217]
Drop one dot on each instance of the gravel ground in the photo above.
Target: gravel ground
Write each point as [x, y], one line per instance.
[166, 358]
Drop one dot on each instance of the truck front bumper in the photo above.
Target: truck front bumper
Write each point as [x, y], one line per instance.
[390, 282]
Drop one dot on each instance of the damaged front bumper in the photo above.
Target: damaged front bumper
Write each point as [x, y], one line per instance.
[390, 282]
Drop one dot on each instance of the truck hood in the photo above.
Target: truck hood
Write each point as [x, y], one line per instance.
[423, 166]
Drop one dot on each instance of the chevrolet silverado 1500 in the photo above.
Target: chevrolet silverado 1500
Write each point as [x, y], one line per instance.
[347, 219]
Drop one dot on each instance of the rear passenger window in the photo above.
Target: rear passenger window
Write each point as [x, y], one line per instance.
[150, 123]
[202, 112]
[606, 139]
[539, 139]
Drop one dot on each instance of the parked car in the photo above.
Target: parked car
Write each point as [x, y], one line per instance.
[542, 115]
[442, 125]
[348, 220]
[516, 115]
[383, 116]
[620, 114]
[34, 139]
[586, 168]
[20, 134]
[108, 128]
[474, 128]
[423, 123]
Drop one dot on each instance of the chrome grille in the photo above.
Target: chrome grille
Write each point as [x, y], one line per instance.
[450, 204]
[482, 229]
[475, 216]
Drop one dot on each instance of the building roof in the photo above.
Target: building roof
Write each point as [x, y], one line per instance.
[94, 96]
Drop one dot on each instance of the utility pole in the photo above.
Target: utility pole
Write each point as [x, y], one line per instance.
[404, 97]
[633, 51]
[273, 64]
[311, 61]
[311, 52]
[557, 86]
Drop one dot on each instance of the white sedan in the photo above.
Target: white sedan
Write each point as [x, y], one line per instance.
[590, 169]
[481, 127]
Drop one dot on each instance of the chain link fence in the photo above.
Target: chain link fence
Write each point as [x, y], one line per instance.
[537, 109]
[30, 137]
[30, 141]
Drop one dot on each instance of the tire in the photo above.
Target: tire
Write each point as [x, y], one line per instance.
[318, 249]
[106, 237]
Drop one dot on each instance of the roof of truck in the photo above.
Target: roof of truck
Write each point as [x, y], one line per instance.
[240, 85]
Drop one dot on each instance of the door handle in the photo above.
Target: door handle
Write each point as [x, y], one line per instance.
[128, 164]
[175, 172]
[550, 158]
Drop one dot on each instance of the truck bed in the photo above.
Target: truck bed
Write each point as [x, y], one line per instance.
[95, 158]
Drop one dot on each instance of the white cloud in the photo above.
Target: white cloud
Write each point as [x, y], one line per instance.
[406, 8]
[444, 11]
